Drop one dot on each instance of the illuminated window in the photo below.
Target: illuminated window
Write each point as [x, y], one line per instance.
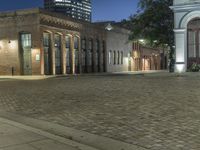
[110, 57]
[26, 40]
[57, 41]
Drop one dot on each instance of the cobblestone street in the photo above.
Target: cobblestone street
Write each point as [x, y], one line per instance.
[157, 112]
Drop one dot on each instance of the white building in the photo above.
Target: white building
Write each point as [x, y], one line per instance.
[119, 50]
[187, 33]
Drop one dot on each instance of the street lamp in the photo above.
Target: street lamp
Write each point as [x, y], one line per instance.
[109, 27]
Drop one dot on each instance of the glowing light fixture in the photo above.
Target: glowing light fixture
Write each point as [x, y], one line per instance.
[180, 68]
[141, 40]
[109, 27]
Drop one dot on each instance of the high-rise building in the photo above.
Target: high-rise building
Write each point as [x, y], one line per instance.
[79, 9]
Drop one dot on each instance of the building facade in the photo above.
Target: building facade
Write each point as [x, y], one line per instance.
[119, 49]
[146, 58]
[79, 9]
[38, 42]
[187, 35]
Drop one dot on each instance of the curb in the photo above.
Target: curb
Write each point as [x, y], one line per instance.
[48, 135]
[94, 141]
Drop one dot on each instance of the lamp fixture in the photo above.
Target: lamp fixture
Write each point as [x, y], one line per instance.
[109, 27]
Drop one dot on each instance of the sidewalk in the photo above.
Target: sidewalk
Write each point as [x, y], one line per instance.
[50, 136]
[39, 77]
[16, 136]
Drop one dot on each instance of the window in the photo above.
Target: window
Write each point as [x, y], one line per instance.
[192, 44]
[110, 57]
[90, 52]
[26, 40]
[83, 45]
[46, 39]
[118, 58]
[122, 58]
[58, 53]
[97, 52]
[76, 45]
[114, 57]
[67, 38]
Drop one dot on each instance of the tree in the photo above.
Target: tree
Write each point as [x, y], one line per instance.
[154, 23]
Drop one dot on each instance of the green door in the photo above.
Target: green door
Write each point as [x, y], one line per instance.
[26, 54]
[27, 62]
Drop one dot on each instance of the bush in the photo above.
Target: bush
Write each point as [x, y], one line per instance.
[195, 67]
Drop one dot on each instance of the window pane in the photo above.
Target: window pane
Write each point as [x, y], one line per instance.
[110, 54]
[26, 40]
[67, 38]
[192, 43]
[122, 58]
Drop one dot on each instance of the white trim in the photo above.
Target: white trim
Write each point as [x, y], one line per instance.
[188, 17]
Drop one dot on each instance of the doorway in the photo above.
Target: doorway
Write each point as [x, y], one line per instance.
[46, 44]
[26, 54]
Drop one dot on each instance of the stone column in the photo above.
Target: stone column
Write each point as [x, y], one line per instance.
[181, 50]
[53, 65]
[63, 53]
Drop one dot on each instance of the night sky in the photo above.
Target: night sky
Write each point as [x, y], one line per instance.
[103, 10]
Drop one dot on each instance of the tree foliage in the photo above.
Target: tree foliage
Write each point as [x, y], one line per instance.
[153, 22]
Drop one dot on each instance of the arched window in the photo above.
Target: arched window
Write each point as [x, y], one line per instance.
[194, 41]
[76, 53]
[122, 58]
[118, 58]
[110, 57]
[47, 52]
[68, 53]
[114, 57]
[83, 47]
[90, 52]
[26, 40]
[57, 42]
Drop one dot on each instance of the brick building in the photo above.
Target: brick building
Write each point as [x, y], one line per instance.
[147, 58]
[38, 42]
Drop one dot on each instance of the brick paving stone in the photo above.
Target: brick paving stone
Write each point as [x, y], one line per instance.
[155, 112]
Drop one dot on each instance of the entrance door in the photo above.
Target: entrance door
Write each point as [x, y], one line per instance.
[129, 62]
[27, 62]
[68, 54]
[58, 54]
[76, 54]
[46, 44]
[26, 54]
[46, 61]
